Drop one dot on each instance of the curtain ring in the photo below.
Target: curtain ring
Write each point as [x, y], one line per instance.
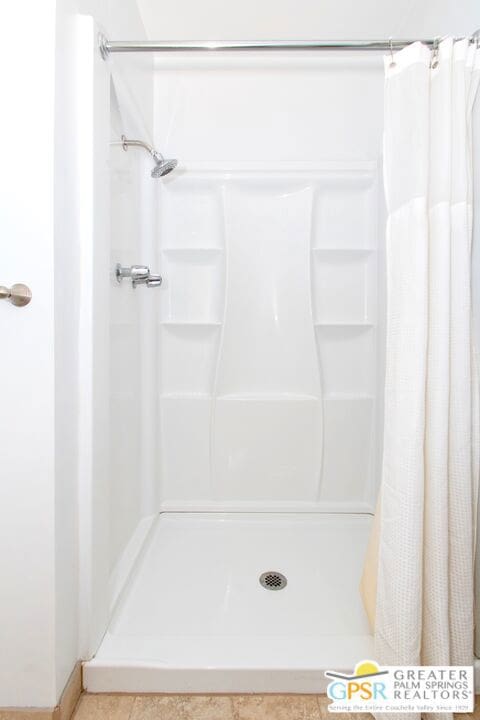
[392, 61]
[434, 61]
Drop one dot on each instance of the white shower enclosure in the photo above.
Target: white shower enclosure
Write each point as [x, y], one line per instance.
[239, 407]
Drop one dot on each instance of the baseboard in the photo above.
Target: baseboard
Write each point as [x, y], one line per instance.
[63, 711]
[71, 694]
[17, 713]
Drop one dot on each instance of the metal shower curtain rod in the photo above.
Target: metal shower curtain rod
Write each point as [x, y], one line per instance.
[127, 46]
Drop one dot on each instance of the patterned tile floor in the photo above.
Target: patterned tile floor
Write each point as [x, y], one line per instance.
[213, 707]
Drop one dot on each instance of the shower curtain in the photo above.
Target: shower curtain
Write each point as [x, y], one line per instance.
[418, 579]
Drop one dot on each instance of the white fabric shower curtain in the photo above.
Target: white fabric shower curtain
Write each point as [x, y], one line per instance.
[426, 536]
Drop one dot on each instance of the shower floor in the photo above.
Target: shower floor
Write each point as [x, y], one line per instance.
[195, 618]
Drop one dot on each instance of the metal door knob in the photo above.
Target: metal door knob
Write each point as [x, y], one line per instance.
[19, 294]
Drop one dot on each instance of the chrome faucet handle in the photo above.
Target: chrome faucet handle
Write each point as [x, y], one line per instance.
[137, 273]
[154, 281]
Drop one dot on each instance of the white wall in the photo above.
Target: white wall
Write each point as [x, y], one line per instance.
[217, 19]
[83, 279]
[114, 457]
[39, 381]
[67, 286]
[27, 425]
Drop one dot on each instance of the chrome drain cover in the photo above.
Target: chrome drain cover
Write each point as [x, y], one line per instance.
[273, 580]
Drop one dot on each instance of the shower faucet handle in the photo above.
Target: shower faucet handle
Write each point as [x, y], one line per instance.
[137, 273]
[154, 281]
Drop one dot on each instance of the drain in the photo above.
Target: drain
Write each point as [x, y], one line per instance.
[273, 580]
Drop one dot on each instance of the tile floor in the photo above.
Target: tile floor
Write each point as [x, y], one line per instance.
[212, 707]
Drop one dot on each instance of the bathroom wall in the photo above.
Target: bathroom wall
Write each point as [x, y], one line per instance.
[215, 19]
[27, 423]
[40, 443]
[117, 457]
[95, 512]
[270, 241]
[66, 298]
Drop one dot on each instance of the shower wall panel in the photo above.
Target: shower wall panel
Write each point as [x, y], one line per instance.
[125, 357]
[268, 336]
[132, 346]
[271, 311]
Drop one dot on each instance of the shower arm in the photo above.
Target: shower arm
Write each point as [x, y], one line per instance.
[163, 166]
[139, 143]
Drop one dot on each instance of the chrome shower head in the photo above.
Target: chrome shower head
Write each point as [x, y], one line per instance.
[162, 166]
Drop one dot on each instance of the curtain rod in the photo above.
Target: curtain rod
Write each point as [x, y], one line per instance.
[126, 46]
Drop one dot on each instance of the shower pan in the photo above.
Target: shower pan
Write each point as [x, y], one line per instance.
[245, 406]
[197, 619]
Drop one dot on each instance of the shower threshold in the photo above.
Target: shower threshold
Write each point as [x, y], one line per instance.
[195, 618]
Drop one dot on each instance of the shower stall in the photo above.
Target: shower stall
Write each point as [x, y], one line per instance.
[241, 363]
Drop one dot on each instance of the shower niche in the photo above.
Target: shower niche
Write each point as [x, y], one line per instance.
[268, 338]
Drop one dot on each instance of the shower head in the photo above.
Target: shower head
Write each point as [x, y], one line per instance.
[162, 166]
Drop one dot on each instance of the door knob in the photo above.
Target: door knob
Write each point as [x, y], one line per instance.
[19, 294]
